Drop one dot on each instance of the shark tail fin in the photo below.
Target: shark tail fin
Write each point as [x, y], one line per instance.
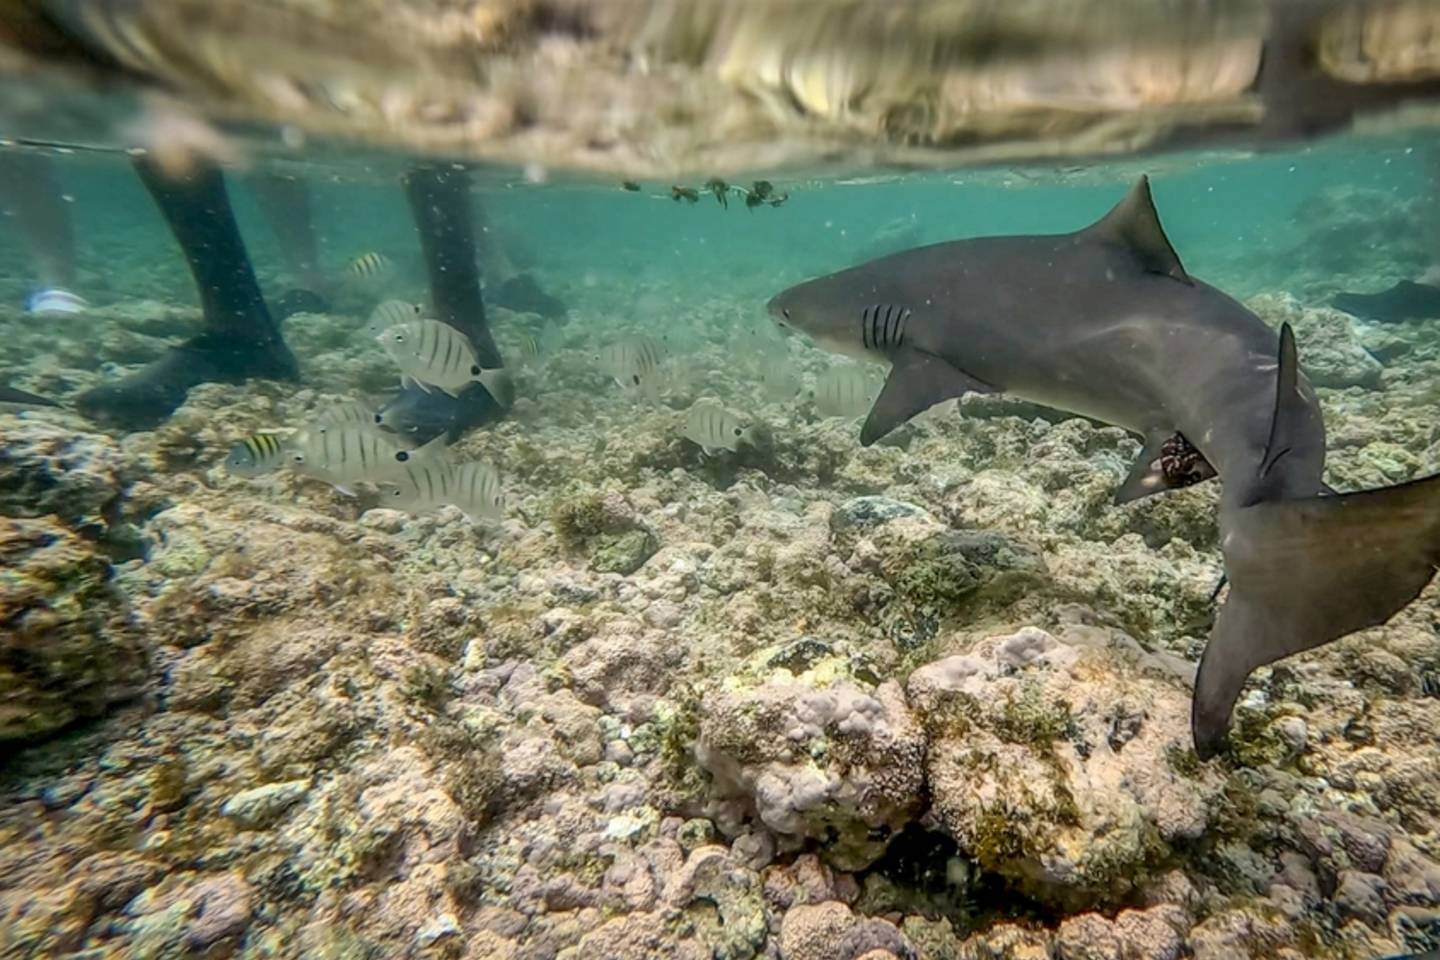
[1305, 572]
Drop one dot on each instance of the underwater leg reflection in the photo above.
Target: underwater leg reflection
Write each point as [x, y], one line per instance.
[439, 201]
[241, 338]
[30, 192]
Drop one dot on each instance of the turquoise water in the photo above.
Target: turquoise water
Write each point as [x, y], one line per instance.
[1219, 210]
[799, 699]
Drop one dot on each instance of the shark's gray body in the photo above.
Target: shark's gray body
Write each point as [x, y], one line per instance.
[1106, 323]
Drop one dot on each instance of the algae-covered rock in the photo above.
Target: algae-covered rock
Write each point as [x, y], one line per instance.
[1331, 352]
[821, 754]
[865, 513]
[67, 646]
[46, 468]
[607, 531]
[622, 553]
[935, 573]
[260, 806]
[1055, 765]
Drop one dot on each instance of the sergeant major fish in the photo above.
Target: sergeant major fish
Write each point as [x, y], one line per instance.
[258, 454]
[369, 265]
[434, 354]
[343, 456]
[777, 377]
[712, 427]
[390, 313]
[423, 485]
[843, 391]
[633, 362]
[1105, 322]
[349, 414]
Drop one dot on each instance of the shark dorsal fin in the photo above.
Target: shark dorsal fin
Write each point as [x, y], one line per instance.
[1134, 224]
[1289, 404]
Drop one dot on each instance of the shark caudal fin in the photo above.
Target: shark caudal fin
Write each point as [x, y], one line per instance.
[1305, 572]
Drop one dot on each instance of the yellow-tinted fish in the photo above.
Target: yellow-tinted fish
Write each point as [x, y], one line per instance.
[255, 455]
[714, 428]
[843, 391]
[369, 264]
[426, 484]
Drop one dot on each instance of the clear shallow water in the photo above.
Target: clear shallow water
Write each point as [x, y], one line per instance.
[930, 697]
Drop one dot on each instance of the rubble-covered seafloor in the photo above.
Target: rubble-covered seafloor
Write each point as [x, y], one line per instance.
[807, 700]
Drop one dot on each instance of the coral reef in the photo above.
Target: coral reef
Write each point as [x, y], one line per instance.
[821, 754]
[68, 648]
[927, 699]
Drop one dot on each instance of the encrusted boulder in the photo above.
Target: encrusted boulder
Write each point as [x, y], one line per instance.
[68, 648]
[819, 752]
[1063, 766]
[1331, 353]
[46, 468]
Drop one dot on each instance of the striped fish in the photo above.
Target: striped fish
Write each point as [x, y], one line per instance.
[528, 349]
[714, 428]
[882, 327]
[369, 265]
[389, 314]
[434, 354]
[420, 486]
[351, 414]
[633, 362]
[778, 378]
[255, 455]
[843, 391]
[342, 456]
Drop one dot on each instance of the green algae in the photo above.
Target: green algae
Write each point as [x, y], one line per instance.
[622, 553]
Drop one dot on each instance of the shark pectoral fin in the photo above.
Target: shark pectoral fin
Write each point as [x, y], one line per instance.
[1168, 462]
[1146, 476]
[917, 382]
[1305, 572]
[1134, 224]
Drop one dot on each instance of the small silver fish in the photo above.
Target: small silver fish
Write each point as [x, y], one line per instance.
[389, 314]
[369, 265]
[350, 414]
[633, 362]
[474, 488]
[342, 456]
[255, 455]
[778, 378]
[529, 349]
[714, 428]
[843, 391]
[434, 354]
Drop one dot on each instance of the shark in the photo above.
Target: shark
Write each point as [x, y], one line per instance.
[1106, 323]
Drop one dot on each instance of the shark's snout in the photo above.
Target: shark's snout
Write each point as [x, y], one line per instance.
[780, 313]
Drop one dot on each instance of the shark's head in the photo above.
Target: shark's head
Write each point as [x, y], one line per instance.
[827, 310]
